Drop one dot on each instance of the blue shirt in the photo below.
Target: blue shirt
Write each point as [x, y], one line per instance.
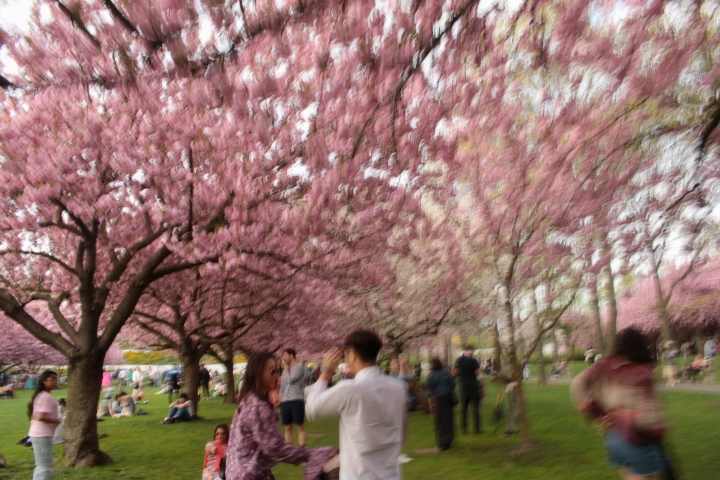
[440, 382]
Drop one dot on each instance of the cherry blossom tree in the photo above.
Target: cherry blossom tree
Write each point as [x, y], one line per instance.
[691, 309]
[19, 348]
[569, 134]
[126, 160]
[141, 139]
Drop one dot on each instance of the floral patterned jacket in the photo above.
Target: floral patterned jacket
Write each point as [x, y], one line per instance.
[256, 445]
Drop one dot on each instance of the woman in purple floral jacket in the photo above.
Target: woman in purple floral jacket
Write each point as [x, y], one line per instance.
[256, 444]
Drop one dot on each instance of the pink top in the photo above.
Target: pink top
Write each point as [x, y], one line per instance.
[106, 379]
[44, 403]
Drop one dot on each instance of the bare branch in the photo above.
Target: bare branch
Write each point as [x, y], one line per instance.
[54, 307]
[77, 23]
[53, 259]
[14, 310]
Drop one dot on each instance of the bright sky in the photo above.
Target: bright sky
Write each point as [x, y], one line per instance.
[15, 14]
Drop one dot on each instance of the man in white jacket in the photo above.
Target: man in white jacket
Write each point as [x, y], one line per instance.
[371, 409]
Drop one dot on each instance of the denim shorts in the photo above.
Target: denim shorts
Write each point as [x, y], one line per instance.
[642, 459]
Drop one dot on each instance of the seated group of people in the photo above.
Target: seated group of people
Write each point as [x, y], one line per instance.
[559, 369]
[699, 365]
[122, 406]
[7, 392]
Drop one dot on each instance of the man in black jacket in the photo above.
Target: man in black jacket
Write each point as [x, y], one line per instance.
[468, 369]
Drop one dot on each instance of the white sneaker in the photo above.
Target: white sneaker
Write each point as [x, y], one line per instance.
[404, 459]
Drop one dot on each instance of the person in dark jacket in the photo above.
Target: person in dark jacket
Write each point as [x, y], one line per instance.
[441, 395]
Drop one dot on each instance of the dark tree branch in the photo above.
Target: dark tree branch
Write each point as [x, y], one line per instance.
[54, 307]
[77, 23]
[53, 259]
[5, 83]
[13, 309]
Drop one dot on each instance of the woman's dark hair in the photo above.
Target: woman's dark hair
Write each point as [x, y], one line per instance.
[291, 351]
[365, 343]
[39, 388]
[631, 344]
[252, 383]
[183, 395]
[222, 426]
[435, 364]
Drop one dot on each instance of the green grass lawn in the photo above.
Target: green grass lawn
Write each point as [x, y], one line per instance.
[567, 447]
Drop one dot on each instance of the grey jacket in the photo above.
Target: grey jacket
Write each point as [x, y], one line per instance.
[291, 384]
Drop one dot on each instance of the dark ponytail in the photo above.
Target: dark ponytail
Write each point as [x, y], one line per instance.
[40, 387]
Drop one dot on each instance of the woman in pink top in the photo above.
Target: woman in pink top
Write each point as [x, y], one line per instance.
[106, 379]
[44, 419]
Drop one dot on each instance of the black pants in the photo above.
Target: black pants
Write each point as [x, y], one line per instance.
[444, 421]
[466, 401]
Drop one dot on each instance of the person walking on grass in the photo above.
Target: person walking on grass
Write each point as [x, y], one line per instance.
[204, 380]
[618, 392]
[371, 407]
[292, 404]
[44, 419]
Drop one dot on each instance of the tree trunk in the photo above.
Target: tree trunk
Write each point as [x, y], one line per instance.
[229, 380]
[611, 327]
[191, 370]
[521, 344]
[596, 319]
[542, 375]
[542, 378]
[506, 309]
[496, 362]
[661, 306]
[447, 350]
[226, 358]
[81, 448]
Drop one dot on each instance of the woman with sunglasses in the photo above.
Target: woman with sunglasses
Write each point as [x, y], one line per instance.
[256, 443]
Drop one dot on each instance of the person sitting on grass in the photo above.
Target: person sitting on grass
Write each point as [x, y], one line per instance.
[105, 405]
[117, 404]
[138, 395]
[698, 365]
[127, 405]
[181, 410]
[220, 389]
[215, 452]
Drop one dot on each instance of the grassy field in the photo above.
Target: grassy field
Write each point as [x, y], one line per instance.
[567, 447]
